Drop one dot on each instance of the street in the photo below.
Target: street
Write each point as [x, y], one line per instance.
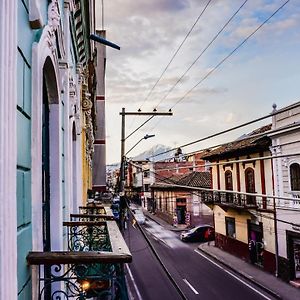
[197, 276]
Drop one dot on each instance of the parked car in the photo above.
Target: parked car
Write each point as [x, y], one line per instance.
[139, 215]
[201, 233]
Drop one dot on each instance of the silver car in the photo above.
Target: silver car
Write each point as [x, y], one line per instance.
[139, 216]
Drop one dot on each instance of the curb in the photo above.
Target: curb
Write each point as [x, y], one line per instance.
[261, 286]
[150, 217]
[163, 225]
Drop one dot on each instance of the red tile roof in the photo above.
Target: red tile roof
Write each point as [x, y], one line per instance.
[242, 146]
[193, 179]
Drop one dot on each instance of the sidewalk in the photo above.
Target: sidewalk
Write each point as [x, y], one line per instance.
[266, 281]
[161, 222]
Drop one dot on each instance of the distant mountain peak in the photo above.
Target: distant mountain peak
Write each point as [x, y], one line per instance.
[156, 149]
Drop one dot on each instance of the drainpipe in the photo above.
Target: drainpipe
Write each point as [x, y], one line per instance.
[276, 239]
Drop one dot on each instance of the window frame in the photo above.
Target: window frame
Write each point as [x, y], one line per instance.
[292, 188]
[232, 221]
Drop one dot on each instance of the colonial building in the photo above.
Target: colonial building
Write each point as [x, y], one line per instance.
[139, 177]
[286, 143]
[47, 129]
[243, 217]
[177, 202]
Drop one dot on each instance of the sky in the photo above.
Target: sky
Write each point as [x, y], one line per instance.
[263, 71]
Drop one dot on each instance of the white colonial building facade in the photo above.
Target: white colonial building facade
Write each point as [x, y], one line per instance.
[286, 143]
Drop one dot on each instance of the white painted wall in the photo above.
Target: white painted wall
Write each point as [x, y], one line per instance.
[286, 141]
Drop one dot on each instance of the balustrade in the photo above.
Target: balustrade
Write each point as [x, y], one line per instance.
[237, 200]
[93, 266]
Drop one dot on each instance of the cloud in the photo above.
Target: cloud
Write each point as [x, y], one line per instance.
[265, 69]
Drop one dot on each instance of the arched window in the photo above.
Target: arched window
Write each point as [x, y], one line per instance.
[250, 185]
[228, 185]
[295, 177]
[228, 180]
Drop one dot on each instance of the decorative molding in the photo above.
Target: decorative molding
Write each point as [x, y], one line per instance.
[53, 15]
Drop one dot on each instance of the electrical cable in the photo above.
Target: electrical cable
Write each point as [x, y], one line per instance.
[176, 52]
[297, 124]
[274, 113]
[229, 55]
[169, 181]
[202, 52]
[134, 131]
[247, 160]
[257, 213]
[172, 58]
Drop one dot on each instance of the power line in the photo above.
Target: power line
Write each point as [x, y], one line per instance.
[229, 55]
[203, 51]
[231, 162]
[297, 124]
[274, 113]
[231, 192]
[171, 182]
[176, 52]
[134, 131]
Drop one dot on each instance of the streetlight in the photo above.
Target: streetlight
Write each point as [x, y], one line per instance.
[147, 136]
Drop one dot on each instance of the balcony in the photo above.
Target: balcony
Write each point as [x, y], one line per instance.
[93, 265]
[237, 201]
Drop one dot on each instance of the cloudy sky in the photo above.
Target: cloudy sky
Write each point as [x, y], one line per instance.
[265, 70]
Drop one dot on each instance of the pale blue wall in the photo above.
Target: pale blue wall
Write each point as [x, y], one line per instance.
[24, 235]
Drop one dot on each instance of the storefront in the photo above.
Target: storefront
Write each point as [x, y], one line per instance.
[181, 210]
[293, 247]
[256, 245]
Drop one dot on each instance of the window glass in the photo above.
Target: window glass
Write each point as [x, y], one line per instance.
[230, 227]
[295, 177]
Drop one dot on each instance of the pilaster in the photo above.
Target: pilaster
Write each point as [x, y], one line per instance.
[8, 147]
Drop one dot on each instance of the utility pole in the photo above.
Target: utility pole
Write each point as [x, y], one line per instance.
[123, 202]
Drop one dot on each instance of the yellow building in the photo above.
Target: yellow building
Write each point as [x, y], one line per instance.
[243, 214]
[88, 121]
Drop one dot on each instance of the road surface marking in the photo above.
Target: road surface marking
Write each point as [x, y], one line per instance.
[133, 282]
[236, 277]
[190, 286]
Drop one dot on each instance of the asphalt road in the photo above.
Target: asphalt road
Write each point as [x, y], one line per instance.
[197, 276]
[146, 278]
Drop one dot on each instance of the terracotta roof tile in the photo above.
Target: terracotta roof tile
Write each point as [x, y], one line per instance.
[193, 179]
[242, 145]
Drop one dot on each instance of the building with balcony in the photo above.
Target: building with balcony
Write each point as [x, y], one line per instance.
[243, 215]
[286, 142]
[47, 128]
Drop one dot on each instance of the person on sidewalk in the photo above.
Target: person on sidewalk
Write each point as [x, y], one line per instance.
[252, 251]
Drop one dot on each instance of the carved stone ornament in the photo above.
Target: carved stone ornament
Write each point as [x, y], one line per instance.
[53, 15]
[87, 104]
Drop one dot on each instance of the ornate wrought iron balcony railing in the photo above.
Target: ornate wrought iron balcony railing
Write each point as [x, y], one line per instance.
[92, 269]
[88, 236]
[91, 217]
[93, 209]
[237, 200]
